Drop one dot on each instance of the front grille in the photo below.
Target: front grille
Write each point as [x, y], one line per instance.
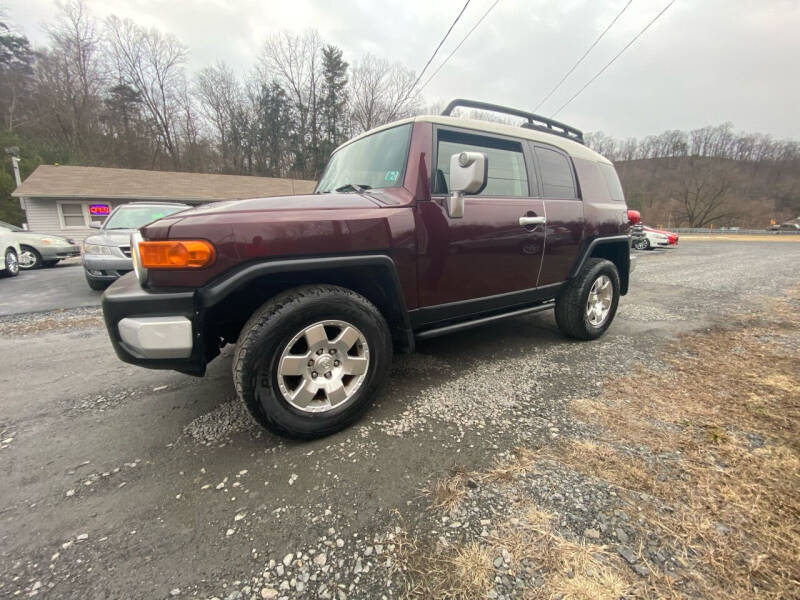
[126, 250]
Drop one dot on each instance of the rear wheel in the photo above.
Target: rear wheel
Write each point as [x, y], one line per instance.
[12, 264]
[29, 258]
[587, 304]
[310, 361]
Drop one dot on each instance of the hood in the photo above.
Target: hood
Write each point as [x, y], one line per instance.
[33, 236]
[112, 237]
[306, 202]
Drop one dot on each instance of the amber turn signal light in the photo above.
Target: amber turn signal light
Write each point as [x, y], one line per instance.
[176, 254]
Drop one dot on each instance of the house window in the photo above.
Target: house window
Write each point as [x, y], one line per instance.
[72, 215]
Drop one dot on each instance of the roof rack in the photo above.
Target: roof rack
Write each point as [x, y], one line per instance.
[534, 121]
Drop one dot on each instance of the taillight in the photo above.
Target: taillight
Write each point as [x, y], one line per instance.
[634, 217]
[176, 254]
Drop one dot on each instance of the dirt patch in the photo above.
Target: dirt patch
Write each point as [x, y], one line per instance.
[705, 451]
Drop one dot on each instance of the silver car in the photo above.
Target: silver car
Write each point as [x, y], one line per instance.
[40, 249]
[107, 255]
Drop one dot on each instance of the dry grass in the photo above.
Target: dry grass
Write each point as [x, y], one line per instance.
[448, 493]
[715, 436]
[737, 517]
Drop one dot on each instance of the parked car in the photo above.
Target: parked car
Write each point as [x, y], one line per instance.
[655, 238]
[788, 226]
[9, 254]
[107, 255]
[422, 227]
[39, 249]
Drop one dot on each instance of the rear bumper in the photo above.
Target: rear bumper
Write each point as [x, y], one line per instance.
[154, 330]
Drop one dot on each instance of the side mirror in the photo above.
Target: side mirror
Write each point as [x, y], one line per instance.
[468, 175]
[95, 225]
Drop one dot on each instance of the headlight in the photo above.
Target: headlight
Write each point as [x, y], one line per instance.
[98, 249]
[48, 241]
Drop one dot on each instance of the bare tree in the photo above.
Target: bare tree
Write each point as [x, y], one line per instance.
[153, 64]
[71, 76]
[381, 92]
[702, 187]
[295, 62]
[221, 103]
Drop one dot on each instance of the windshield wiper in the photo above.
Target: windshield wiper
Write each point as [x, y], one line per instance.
[353, 186]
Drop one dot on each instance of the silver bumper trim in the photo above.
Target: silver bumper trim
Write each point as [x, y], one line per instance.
[157, 337]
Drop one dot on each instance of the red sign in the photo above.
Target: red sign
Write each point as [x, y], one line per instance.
[99, 209]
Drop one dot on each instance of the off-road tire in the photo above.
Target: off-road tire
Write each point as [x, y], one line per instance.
[7, 272]
[272, 326]
[37, 258]
[571, 302]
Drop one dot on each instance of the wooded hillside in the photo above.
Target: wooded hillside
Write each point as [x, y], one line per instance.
[707, 177]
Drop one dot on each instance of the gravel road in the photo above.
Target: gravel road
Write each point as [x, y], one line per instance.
[120, 482]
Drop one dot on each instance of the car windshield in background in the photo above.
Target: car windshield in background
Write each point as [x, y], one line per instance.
[376, 161]
[10, 227]
[135, 217]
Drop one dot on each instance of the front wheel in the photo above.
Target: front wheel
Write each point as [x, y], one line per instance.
[29, 258]
[12, 264]
[310, 361]
[587, 304]
[642, 244]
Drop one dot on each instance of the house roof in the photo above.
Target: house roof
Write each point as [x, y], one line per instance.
[56, 181]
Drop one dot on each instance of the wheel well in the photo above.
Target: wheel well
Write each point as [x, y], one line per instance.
[619, 254]
[224, 320]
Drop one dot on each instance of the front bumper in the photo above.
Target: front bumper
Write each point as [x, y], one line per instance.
[109, 268]
[157, 330]
[58, 252]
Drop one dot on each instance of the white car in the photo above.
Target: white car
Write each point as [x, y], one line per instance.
[655, 238]
[9, 254]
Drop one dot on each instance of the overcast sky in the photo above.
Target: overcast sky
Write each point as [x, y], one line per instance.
[704, 62]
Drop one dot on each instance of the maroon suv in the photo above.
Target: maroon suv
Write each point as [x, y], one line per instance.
[416, 229]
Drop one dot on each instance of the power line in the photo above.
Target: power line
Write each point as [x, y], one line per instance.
[611, 62]
[585, 54]
[427, 64]
[444, 62]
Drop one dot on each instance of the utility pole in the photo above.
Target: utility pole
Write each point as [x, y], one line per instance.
[13, 151]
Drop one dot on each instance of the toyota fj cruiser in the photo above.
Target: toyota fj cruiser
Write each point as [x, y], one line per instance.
[419, 228]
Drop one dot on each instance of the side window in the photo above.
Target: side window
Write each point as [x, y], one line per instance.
[556, 174]
[507, 173]
[72, 215]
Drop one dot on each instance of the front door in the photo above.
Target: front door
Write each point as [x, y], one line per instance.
[489, 251]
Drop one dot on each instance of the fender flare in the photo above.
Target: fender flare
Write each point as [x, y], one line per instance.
[618, 240]
[217, 290]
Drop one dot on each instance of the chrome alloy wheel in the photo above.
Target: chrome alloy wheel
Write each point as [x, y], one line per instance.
[27, 259]
[11, 263]
[323, 366]
[598, 304]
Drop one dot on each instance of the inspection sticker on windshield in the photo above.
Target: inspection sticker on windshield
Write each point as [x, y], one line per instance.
[392, 176]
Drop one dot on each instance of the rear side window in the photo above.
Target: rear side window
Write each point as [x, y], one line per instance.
[612, 182]
[507, 173]
[555, 173]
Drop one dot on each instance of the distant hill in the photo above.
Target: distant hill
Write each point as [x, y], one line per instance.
[702, 192]
[712, 176]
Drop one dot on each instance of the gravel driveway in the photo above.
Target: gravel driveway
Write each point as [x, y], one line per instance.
[123, 482]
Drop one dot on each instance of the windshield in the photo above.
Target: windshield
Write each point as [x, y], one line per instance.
[133, 217]
[10, 227]
[376, 161]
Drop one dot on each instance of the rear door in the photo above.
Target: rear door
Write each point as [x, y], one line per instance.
[488, 252]
[565, 221]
